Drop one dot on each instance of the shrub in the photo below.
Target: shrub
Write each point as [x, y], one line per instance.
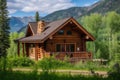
[114, 73]
[90, 65]
[22, 61]
[48, 64]
[5, 62]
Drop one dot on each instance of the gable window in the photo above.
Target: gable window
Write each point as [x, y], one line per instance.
[61, 32]
[69, 33]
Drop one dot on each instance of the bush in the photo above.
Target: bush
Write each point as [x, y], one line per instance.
[90, 65]
[22, 61]
[48, 64]
[5, 63]
[114, 73]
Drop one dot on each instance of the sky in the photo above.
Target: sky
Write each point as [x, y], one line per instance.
[21, 8]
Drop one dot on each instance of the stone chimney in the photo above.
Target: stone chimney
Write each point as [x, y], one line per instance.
[40, 27]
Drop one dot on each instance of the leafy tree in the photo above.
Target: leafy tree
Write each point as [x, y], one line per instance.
[106, 30]
[4, 31]
[112, 26]
[12, 51]
[93, 24]
[37, 17]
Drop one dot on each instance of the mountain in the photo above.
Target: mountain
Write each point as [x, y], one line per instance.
[101, 6]
[74, 11]
[104, 6]
[16, 23]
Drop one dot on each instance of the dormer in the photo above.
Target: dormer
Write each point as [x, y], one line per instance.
[40, 27]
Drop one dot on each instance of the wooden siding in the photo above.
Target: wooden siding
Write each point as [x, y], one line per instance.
[32, 53]
[76, 38]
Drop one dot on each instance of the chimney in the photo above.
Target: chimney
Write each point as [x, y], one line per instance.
[40, 27]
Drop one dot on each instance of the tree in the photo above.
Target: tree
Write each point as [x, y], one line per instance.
[93, 23]
[4, 30]
[37, 18]
[112, 23]
[12, 51]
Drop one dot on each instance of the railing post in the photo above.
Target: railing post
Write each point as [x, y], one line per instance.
[23, 49]
[18, 49]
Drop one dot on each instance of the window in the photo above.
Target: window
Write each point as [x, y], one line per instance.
[58, 47]
[31, 50]
[69, 33]
[32, 45]
[61, 32]
[70, 47]
[65, 47]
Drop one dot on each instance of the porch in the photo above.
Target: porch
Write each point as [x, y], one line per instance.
[72, 56]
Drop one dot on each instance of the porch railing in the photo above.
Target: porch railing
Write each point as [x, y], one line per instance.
[72, 55]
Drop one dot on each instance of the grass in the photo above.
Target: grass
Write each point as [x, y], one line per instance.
[48, 65]
[16, 75]
[56, 64]
[51, 63]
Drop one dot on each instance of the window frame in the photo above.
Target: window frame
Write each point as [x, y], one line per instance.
[63, 47]
[61, 32]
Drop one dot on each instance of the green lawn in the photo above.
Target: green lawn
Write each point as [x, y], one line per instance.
[17, 75]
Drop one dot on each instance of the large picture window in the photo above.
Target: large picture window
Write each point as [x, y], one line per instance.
[65, 47]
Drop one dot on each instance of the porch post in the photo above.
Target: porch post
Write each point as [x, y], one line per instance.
[18, 48]
[23, 49]
[84, 44]
[27, 49]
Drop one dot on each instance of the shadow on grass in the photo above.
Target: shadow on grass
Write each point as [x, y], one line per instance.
[17, 75]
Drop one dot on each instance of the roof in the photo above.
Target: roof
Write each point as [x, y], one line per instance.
[51, 28]
[33, 26]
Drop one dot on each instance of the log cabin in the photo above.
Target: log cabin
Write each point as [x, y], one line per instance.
[65, 37]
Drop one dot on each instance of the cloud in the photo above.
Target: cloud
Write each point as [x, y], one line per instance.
[87, 4]
[11, 11]
[90, 3]
[43, 6]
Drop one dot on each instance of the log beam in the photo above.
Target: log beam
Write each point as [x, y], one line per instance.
[23, 49]
[18, 48]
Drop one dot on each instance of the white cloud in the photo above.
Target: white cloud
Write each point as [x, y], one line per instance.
[11, 11]
[87, 4]
[43, 6]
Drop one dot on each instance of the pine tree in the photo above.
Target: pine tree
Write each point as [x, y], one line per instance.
[4, 28]
[4, 32]
[37, 18]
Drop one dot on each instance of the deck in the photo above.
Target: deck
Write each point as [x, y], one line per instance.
[72, 56]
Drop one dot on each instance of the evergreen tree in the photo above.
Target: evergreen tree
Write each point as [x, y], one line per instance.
[37, 18]
[4, 31]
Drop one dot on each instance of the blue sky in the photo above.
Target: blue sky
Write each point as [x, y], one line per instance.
[84, 2]
[22, 8]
